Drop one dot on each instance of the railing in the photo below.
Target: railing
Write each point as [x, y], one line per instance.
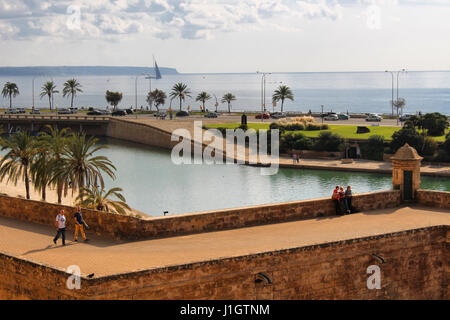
[52, 117]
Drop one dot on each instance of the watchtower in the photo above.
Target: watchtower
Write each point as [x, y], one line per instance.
[406, 171]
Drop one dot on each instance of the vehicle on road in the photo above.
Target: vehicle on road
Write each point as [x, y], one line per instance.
[278, 115]
[35, 111]
[129, 111]
[95, 113]
[343, 116]
[11, 111]
[331, 117]
[264, 115]
[405, 117]
[73, 110]
[21, 110]
[119, 113]
[64, 111]
[211, 115]
[374, 117]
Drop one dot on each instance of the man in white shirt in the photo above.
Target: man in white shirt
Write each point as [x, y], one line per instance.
[61, 227]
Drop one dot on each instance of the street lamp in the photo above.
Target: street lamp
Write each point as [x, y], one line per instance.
[263, 91]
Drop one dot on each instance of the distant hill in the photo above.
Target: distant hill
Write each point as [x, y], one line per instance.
[81, 71]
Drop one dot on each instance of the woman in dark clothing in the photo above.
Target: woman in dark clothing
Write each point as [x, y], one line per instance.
[348, 198]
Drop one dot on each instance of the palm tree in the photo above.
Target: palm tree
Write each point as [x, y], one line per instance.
[158, 97]
[227, 98]
[203, 97]
[98, 199]
[71, 87]
[80, 168]
[48, 89]
[113, 98]
[41, 168]
[16, 163]
[282, 93]
[55, 141]
[181, 91]
[10, 89]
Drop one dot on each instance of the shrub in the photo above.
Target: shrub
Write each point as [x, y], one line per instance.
[361, 130]
[328, 141]
[373, 149]
[435, 124]
[313, 127]
[182, 114]
[324, 127]
[295, 141]
[429, 147]
[295, 127]
[446, 145]
[406, 135]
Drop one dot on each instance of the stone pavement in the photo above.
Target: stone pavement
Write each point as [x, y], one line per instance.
[105, 257]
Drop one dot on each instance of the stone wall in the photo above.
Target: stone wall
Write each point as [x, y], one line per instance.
[131, 228]
[431, 198]
[413, 265]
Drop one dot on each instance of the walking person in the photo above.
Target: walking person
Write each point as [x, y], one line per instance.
[294, 158]
[335, 198]
[61, 227]
[348, 199]
[79, 224]
[342, 201]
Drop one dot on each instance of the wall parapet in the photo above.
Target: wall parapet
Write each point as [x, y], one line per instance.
[431, 198]
[121, 227]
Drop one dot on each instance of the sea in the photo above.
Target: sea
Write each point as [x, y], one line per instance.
[353, 92]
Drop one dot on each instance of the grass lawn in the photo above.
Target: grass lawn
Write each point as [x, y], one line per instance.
[347, 132]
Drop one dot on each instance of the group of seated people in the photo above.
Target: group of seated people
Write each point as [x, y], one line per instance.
[343, 200]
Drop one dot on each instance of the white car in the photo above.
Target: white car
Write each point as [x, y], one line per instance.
[332, 117]
[374, 117]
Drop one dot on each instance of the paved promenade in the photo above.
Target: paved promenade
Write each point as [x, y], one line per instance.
[104, 257]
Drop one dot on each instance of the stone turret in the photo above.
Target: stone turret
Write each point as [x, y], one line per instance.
[406, 172]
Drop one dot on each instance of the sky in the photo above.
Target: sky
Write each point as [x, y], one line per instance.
[196, 36]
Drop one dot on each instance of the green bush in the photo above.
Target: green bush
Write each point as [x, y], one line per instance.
[313, 127]
[429, 147]
[373, 149]
[295, 127]
[406, 135]
[328, 141]
[296, 141]
[435, 124]
[324, 127]
[446, 145]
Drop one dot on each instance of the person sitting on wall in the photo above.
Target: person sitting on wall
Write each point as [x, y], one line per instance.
[79, 224]
[348, 199]
[342, 201]
[335, 198]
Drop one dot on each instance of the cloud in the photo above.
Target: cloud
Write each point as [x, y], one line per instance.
[188, 19]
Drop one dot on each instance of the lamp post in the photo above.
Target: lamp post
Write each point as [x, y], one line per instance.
[398, 73]
[263, 92]
[392, 101]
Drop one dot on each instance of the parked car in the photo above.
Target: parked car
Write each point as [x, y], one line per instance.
[73, 110]
[264, 115]
[331, 117]
[343, 116]
[211, 115]
[21, 110]
[119, 113]
[95, 113]
[64, 111]
[35, 111]
[129, 111]
[405, 117]
[278, 115]
[11, 111]
[374, 117]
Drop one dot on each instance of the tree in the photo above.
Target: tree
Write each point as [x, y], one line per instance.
[399, 104]
[282, 93]
[16, 163]
[406, 135]
[41, 169]
[48, 89]
[55, 141]
[71, 87]
[80, 166]
[227, 98]
[10, 90]
[113, 98]
[435, 124]
[203, 97]
[180, 91]
[99, 199]
[328, 141]
[373, 149]
[158, 97]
